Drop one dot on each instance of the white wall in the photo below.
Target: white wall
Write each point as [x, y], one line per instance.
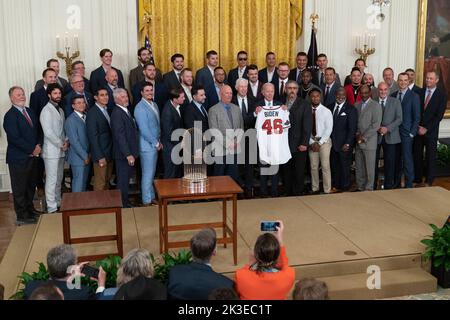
[28, 30]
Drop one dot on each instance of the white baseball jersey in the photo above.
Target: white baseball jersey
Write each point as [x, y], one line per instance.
[272, 127]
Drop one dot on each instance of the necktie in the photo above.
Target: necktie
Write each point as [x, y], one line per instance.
[314, 123]
[27, 117]
[244, 107]
[230, 116]
[321, 78]
[427, 100]
[327, 92]
[105, 113]
[205, 114]
[282, 88]
[83, 117]
[400, 96]
[336, 111]
[299, 78]
[382, 104]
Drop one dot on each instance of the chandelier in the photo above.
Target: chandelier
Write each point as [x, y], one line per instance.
[381, 3]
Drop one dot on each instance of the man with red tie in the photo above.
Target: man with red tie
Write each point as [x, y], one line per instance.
[433, 104]
[24, 147]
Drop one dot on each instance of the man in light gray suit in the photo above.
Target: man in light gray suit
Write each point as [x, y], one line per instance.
[370, 116]
[388, 135]
[224, 117]
[55, 144]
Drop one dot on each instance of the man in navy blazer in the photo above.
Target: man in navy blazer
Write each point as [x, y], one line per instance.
[172, 79]
[78, 89]
[100, 140]
[433, 105]
[408, 130]
[78, 156]
[125, 143]
[345, 123]
[98, 75]
[205, 76]
[270, 72]
[213, 92]
[39, 98]
[195, 111]
[25, 139]
[170, 121]
[197, 280]
[240, 71]
[329, 88]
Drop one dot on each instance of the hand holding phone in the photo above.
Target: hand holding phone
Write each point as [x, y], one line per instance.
[269, 226]
[90, 271]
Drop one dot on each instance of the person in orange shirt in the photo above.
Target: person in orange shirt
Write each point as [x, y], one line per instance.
[268, 275]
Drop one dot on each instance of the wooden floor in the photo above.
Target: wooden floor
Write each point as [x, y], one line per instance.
[7, 218]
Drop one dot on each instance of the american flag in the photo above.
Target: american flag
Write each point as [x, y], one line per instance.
[149, 47]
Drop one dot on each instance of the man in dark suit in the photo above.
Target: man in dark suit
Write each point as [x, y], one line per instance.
[302, 64]
[161, 94]
[53, 64]
[62, 267]
[172, 79]
[213, 92]
[195, 111]
[77, 84]
[408, 130]
[412, 79]
[329, 88]
[205, 76]
[79, 69]
[187, 82]
[197, 280]
[240, 71]
[254, 84]
[39, 98]
[100, 140]
[319, 76]
[281, 84]
[137, 75]
[270, 72]
[125, 143]
[247, 104]
[433, 105]
[345, 122]
[25, 139]
[170, 121]
[98, 75]
[300, 115]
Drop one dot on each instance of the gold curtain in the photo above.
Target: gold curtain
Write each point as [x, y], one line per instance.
[193, 27]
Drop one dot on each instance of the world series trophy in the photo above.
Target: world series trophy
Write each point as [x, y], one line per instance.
[195, 168]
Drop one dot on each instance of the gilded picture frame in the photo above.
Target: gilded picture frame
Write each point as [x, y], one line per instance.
[428, 55]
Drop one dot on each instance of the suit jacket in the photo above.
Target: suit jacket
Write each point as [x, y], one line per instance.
[204, 78]
[293, 75]
[277, 95]
[171, 80]
[350, 95]
[79, 143]
[417, 90]
[147, 120]
[411, 113]
[52, 123]
[369, 121]
[111, 104]
[124, 133]
[137, 75]
[98, 79]
[195, 281]
[248, 115]
[212, 98]
[160, 96]
[317, 75]
[22, 138]
[38, 100]
[345, 125]
[264, 77]
[99, 135]
[68, 104]
[259, 95]
[392, 119]
[330, 100]
[432, 116]
[170, 121]
[190, 114]
[300, 116]
[84, 293]
[61, 81]
[233, 76]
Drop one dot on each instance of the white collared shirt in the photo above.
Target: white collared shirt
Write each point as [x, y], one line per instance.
[270, 74]
[324, 124]
[211, 70]
[188, 92]
[254, 88]
[81, 115]
[329, 86]
[241, 72]
[239, 99]
[432, 92]
[285, 84]
[176, 108]
[411, 86]
[338, 107]
[124, 109]
[268, 104]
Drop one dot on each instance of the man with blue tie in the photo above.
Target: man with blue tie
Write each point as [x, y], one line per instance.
[408, 130]
[24, 137]
[147, 118]
[78, 89]
[78, 155]
[195, 111]
[98, 123]
[125, 143]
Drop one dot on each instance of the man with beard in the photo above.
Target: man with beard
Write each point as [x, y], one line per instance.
[172, 79]
[187, 80]
[136, 75]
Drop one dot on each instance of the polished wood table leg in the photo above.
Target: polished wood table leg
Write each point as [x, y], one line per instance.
[224, 225]
[235, 229]
[66, 228]
[119, 232]
[161, 226]
[166, 227]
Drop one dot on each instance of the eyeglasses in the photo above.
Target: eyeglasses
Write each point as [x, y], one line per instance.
[242, 59]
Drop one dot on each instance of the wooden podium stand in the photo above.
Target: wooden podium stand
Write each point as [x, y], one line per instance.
[223, 188]
[92, 203]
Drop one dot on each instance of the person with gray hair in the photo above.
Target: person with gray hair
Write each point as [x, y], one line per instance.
[62, 267]
[197, 280]
[125, 142]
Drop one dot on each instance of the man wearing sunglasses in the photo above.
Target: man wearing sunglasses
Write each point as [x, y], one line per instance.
[240, 72]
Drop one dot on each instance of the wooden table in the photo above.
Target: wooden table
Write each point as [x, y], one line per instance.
[91, 203]
[224, 188]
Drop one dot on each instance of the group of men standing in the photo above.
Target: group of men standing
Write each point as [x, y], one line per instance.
[96, 125]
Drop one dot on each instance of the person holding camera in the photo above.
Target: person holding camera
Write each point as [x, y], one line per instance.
[268, 275]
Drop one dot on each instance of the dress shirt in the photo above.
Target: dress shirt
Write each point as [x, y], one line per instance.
[188, 92]
[324, 125]
[254, 87]
[285, 84]
[239, 99]
[201, 109]
[211, 70]
[81, 115]
[338, 108]
[124, 109]
[105, 112]
[270, 75]
[241, 72]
